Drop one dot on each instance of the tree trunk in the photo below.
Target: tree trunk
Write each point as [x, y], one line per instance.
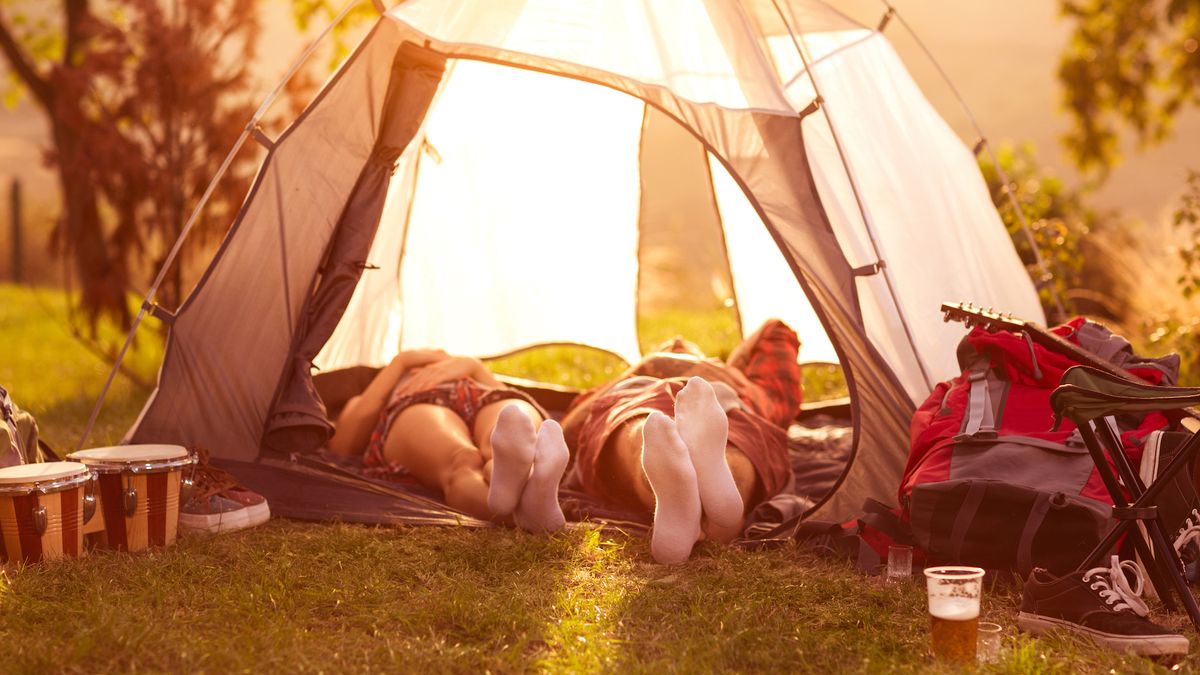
[82, 238]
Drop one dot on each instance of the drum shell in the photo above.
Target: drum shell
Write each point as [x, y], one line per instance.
[63, 536]
[155, 517]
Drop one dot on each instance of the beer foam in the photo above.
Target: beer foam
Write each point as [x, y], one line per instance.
[954, 609]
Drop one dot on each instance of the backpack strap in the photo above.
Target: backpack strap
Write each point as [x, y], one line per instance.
[966, 516]
[48, 451]
[980, 417]
[1041, 506]
[7, 412]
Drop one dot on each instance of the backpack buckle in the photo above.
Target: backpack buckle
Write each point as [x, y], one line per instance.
[981, 435]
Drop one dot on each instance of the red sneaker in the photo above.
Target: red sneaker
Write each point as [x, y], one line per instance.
[216, 502]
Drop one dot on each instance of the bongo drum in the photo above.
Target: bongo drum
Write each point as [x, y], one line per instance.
[42, 510]
[138, 493]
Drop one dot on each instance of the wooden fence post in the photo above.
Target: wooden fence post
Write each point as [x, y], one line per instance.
[15, 203]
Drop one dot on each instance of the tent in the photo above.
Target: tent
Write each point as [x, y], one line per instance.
[473, 177]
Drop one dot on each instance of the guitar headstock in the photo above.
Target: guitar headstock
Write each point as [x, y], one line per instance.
[988, 319]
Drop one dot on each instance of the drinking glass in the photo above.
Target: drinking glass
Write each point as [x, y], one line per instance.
[954, 610]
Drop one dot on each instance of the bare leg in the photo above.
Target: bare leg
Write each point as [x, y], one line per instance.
[433, 443]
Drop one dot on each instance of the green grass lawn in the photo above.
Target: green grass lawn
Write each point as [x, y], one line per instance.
[302, 597]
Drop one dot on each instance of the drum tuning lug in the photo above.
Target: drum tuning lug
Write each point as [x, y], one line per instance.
[131, 500]
[40, 520]
[89, 507]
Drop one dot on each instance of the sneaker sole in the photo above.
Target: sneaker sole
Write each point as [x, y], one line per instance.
[258, 514]
[1143, 645]
[216, 523]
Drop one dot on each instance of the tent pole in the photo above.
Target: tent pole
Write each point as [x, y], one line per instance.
[147, 301]
[1012, 200]
[812, 76]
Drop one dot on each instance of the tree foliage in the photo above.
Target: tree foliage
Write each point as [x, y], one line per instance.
[310, 13]
[143, 99]
[1132, 63]
[1059, 223]
[1187, 217]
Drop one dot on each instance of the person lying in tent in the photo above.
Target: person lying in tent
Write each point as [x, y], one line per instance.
[441, 419]
[696, 441]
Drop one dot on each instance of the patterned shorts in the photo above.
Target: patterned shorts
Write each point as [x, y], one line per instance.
[465, 397]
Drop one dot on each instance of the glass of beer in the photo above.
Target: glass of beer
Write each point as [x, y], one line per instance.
[954, 611]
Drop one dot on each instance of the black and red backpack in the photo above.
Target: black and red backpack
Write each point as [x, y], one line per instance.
[990, 479]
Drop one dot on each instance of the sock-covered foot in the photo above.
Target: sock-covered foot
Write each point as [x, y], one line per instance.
[704, 428]
[512, 456]
[676, 497]
[538, 509]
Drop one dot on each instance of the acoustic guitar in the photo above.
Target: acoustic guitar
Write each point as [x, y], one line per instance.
[993, 321]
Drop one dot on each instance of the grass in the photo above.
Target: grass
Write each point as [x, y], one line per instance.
[304, 597]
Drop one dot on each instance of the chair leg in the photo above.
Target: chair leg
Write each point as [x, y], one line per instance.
[1175, 565]
[1163, 578]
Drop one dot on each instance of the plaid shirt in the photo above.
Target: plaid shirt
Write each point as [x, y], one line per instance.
[768, 359]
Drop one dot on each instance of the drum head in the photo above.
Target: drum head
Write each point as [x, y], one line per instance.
[43, 472]
[130, 454]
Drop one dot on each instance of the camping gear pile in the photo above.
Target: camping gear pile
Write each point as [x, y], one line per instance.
[991, 478]
[1001, 476]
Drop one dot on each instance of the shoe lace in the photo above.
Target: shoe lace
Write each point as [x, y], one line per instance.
[1189, 531]
[1113, 586]
[208, 480]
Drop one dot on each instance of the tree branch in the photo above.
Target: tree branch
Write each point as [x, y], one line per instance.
[76, 12]
[21, 64]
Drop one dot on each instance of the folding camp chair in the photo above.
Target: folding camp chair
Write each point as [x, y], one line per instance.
[1088, 396]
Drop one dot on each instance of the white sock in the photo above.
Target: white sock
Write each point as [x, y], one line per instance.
[704, 428]
[676, 496]
[538, 510]
[512, 456]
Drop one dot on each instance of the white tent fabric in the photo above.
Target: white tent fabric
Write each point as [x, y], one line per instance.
[919, 182]
[764, 285]
[673, 44]
[922, 192]
[542, 188]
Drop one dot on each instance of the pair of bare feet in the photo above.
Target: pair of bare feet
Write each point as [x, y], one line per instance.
[684, 461]
[527, 466]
